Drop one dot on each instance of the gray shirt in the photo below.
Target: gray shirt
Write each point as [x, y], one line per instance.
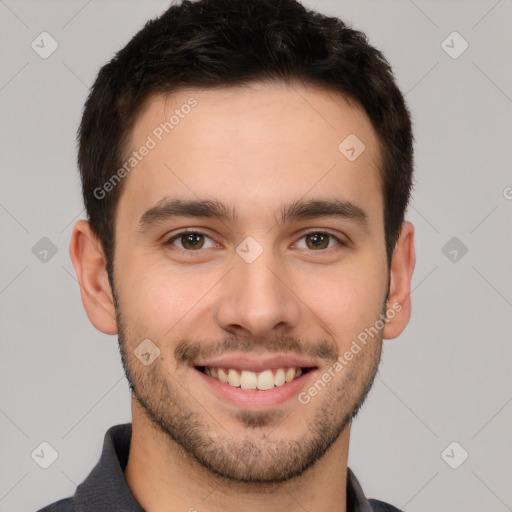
[105, 488]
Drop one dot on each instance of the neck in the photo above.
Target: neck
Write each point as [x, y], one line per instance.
[163, 477]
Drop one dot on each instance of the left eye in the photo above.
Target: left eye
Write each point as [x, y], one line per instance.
[319, 240]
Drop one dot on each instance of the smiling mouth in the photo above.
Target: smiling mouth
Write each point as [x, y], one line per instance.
[262, 381]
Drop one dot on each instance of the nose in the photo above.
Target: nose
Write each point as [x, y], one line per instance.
[258, 299]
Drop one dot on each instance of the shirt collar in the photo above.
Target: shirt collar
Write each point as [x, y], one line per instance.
[105, 488]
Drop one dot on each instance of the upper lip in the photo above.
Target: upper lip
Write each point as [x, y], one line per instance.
[244, 362]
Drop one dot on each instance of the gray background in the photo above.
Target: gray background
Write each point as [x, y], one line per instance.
[447, 378]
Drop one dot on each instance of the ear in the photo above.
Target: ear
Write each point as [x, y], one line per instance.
[402, 267]
[90, 267]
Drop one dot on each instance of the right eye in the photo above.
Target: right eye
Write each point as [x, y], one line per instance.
[190, 240]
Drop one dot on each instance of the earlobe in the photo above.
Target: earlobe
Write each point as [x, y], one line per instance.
[402, 267]
[90, 267]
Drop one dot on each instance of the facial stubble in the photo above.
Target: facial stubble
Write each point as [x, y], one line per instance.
[256, 456]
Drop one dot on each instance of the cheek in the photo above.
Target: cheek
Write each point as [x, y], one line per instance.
[158, 300]
[347, 299]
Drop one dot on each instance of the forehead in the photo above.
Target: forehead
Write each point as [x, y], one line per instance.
[253, 148]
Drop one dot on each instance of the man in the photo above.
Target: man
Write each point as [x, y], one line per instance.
[246, 166]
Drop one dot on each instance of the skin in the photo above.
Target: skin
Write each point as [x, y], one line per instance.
[256, 149]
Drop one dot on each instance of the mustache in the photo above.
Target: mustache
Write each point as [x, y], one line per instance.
[188, 351]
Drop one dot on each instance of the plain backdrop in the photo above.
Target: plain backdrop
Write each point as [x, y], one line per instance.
[444, 387]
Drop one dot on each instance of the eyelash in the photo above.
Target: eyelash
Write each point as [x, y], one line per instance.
[197, 232]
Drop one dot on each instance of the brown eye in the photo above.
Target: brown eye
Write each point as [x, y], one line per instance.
[190, 240]
[318, 240]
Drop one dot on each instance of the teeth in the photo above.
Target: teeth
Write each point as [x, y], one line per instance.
[233, 378]
[290, 374]
[246, 379]
[279, 379]
[266, 380]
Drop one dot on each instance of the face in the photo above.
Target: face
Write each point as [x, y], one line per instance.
[249, 248]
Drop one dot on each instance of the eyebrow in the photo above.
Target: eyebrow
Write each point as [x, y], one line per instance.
[167, 209]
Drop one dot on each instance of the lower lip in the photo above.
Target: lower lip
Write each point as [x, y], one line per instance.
[254, 398]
